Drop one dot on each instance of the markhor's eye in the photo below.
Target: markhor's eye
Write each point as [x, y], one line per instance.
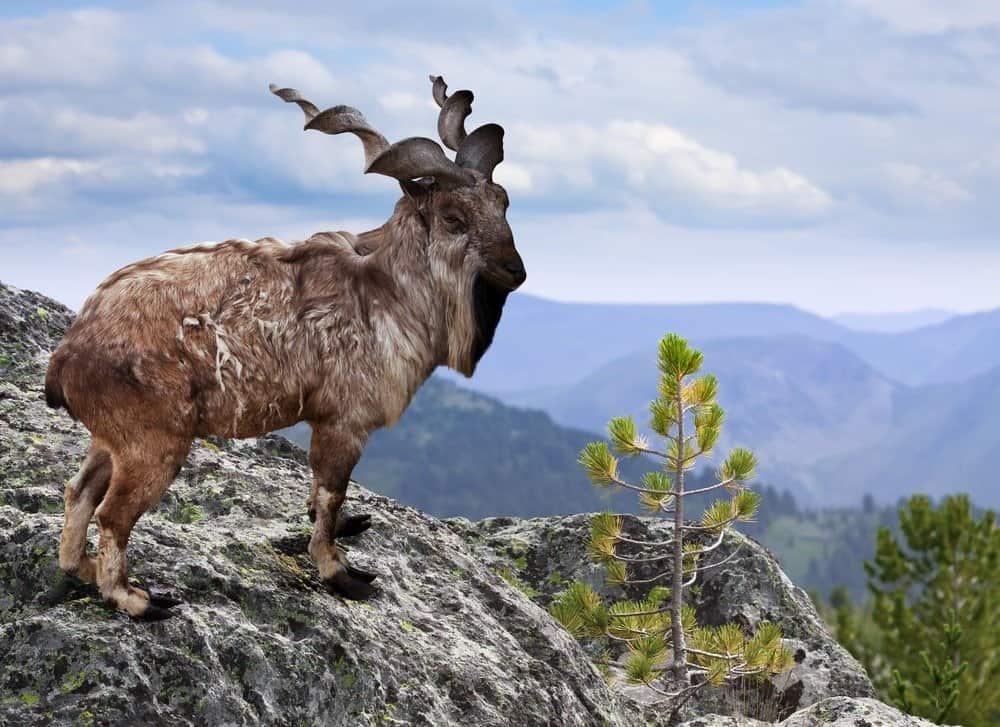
[454, 223]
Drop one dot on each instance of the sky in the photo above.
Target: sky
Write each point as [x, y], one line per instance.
[839, 155]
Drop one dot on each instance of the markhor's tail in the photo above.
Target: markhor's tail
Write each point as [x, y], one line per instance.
[54, 395]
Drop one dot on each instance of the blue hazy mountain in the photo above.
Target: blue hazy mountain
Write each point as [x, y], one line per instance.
[942, 438]
[825, 424]
[829, 410]
[542, 344]
[892, 322]
[961, 347]
[794, 400]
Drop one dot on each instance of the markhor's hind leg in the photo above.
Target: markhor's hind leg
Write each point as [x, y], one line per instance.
[139, 479]
[83, 494]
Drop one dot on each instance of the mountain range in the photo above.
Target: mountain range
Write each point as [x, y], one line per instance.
[893, 322]
[542, 343]
[833, 413]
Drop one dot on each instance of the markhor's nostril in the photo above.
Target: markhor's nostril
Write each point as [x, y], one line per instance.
[514, 268]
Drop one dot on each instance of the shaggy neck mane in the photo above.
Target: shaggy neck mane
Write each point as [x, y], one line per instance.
[465, 307]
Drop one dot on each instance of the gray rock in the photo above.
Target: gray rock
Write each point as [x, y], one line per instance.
[720, 720]
[548, 553]
[846, 712]
[834, 711]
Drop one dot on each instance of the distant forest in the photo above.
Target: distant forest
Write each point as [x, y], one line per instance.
[821, 549]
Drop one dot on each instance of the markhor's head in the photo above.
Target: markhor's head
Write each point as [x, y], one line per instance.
[464, 209]
[469, 243]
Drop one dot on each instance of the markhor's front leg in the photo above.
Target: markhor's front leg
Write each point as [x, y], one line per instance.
[333, 453]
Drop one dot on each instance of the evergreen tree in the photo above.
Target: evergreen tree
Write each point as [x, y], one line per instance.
[853, 628]
[936, 603]
[665, 644]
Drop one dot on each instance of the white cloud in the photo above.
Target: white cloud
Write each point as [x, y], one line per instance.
[813, 57]
[20, 177]
[291, 67]
[658, 159]
[400, 101]
[672, 172]
[175, 171]
[204, 73]
[195, 117]
[142, 132]
[63, 49]
[932, 16]
[910, 184]
[514, 177]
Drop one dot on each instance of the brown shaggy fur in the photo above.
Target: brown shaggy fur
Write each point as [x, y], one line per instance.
[239, 338]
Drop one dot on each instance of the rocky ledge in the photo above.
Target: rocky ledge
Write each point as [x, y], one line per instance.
[456, 634]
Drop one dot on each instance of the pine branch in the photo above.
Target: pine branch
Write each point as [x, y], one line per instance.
[725, 483]
[703, 568]
[683, 693]
[713, 655]
[658, 576]
[650, 559]
[649, 543]
[724, 525]
[635, 488]
[655, 578]
[654, 452]
[708, 548]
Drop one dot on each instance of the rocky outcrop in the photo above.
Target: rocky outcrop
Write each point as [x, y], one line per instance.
[833, 711]
[846, 712]
[547, 553]
[457, 633]
[445, 641]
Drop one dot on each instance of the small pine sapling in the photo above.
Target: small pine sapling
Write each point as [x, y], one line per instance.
[664, 643]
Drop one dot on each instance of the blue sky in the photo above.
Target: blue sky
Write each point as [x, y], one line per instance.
[839, 155]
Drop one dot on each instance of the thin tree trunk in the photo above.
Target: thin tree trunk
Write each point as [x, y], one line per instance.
[677, 589]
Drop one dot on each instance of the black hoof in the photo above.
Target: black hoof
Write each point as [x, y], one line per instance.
[163, 600]
[361, 575]
[69, 588]
[347, 586]
[354, 525]
[160, 597]
[154, 613]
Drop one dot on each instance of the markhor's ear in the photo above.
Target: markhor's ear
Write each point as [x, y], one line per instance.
[416, 189]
